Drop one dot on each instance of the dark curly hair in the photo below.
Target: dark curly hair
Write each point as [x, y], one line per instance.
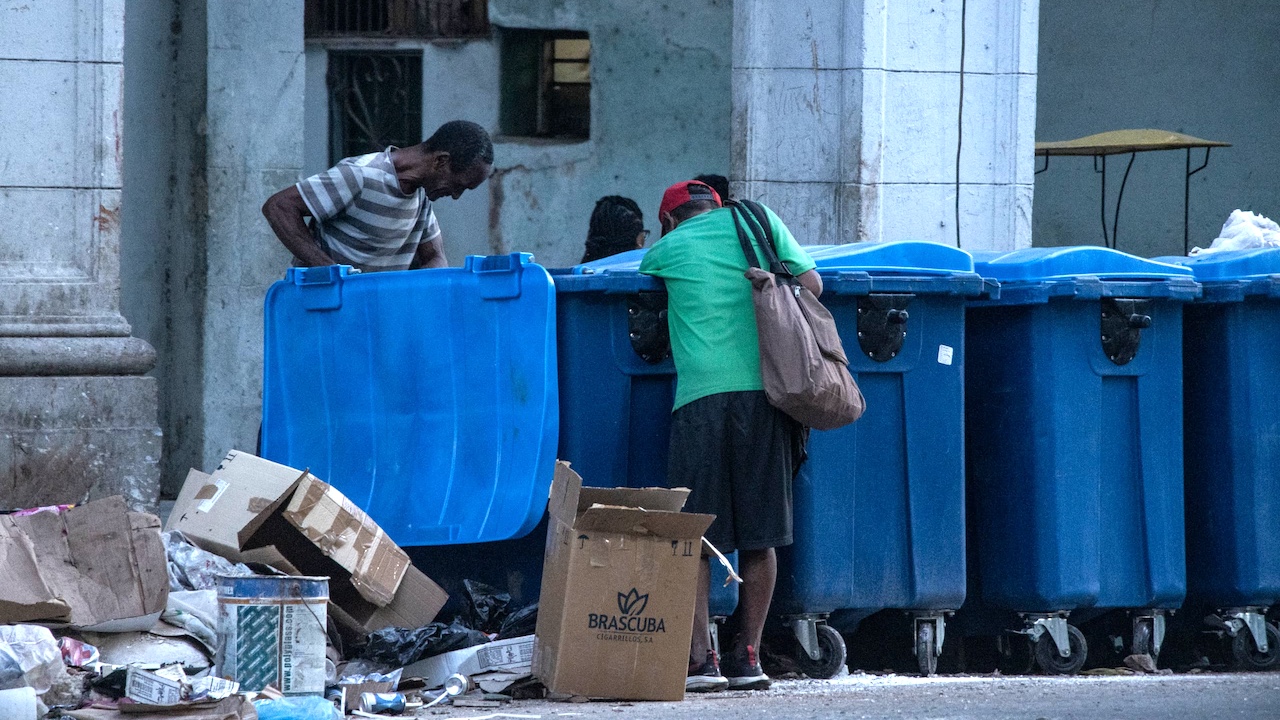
[466, 142]
[616, 222]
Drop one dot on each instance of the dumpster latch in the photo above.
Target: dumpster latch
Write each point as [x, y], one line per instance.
[1123, 320]
[882, 325]
[647, 326]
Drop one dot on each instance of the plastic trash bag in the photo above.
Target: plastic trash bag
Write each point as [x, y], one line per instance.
[401, 646]
[1244, 230]
[191, 568]
[77, 653]
[308, 707]
[486, 607]
[519, 623]
[35, 653]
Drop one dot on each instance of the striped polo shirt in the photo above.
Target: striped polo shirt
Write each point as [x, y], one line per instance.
[361, 216]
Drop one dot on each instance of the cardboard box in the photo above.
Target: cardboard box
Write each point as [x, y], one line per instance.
[618, 588]
[155, 687]
[254, 510]
[96, 567]
[513, 655]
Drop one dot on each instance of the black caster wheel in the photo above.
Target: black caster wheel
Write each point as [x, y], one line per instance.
[1052, 663]
[926, 649]
[833, 657]
[1245, 655]
[1143, 641]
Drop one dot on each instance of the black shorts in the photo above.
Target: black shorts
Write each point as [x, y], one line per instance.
[738, 455]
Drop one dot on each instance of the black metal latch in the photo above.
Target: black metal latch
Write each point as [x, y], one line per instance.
[647, 326]
[1123, 320]
[882, 325]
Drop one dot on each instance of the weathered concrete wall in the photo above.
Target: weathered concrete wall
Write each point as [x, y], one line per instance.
[76, 421]
[1205, 69]
[847, 118]
[659, 113]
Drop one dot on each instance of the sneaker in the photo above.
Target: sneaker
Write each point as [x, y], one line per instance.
[705, 677]
[743, 671]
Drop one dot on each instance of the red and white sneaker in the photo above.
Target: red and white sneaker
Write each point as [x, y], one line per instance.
[705, 677]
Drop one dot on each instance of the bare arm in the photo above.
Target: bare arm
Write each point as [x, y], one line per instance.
[287, 214]
[430, 255]
[813, 281]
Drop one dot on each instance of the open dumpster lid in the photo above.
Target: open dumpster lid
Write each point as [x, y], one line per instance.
[427, 397]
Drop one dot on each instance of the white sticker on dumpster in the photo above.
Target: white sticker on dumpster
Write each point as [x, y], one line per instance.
[944, 354]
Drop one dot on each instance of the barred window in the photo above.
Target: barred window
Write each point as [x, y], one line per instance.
[375, 100]
[396, 18]
[546, 84]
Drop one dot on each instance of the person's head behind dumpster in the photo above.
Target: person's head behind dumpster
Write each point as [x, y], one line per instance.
[685, 200]
[616, 226]
[459, 157]
[719, 183]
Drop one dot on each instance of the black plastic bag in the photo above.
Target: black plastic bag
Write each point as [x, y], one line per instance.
[486, 607]
[401, 646]
[519, 623]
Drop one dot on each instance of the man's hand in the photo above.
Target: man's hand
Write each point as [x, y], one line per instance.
[287, 214]
[430, 255]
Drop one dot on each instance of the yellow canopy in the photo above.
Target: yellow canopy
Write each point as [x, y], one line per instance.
[1122, 142]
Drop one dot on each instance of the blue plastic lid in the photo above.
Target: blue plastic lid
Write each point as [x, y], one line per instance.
[1230, 265]
[616, 273]
[428, 397]
[1064, 263]
[905, 257]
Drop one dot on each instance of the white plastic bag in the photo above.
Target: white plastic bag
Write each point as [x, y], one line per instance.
[1244, 230]
[36, 653]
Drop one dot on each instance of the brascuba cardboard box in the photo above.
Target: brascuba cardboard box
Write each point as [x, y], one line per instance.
[618, 588]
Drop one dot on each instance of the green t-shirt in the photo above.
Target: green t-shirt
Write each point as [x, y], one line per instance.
[709, 311]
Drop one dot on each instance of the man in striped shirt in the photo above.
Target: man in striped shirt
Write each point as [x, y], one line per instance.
[374, 211]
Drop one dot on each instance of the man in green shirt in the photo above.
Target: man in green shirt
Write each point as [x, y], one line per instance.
[735, 451]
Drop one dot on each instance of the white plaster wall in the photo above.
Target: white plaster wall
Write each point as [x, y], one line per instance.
[1205, 69]
[847, 117]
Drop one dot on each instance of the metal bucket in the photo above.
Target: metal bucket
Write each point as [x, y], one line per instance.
[271, 631]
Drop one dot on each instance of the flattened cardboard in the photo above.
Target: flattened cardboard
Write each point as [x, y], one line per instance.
[349, 537]
[105, 564]
[513, 655]
[650, 498]
[417, 602]
[24, 595]
[618, 589]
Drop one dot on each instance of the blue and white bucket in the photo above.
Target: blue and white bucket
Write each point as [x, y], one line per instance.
[271, 631]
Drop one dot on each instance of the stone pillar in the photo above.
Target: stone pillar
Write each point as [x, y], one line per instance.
[77, 416]
[846, 118]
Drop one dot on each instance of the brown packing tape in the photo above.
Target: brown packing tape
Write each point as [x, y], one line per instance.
[206, 491]
[256, 504]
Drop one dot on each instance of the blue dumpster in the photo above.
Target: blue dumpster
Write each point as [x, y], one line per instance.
[879, 504]
[1231, 360]
[427, 398]
[1074, 443]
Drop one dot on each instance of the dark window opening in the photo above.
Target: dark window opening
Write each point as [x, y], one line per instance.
[375, 100]
[397, 18]
[546, 84]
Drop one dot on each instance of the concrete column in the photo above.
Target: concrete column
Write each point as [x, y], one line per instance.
[846, 117]
[256, 78]
[77, 418]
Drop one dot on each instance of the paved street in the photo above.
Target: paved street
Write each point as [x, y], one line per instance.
[1195, 697]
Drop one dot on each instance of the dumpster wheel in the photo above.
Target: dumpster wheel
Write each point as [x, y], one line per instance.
[1144, 640]
[833, 655]
[1245, 653]
[926, 649]
[1051, 662]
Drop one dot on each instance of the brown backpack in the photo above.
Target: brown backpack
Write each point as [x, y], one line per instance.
[802, 361]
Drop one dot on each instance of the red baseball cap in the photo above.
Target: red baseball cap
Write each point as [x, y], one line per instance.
[687, 191]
